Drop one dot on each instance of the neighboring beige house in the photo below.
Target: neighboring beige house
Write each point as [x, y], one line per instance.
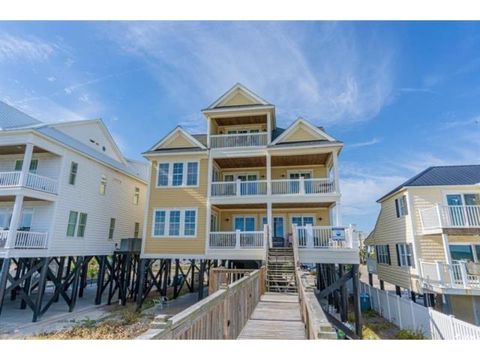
[245, 184]
[427, 239]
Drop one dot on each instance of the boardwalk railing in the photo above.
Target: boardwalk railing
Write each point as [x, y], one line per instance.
[239, 140]
[25, 240]
[450, 216]
[221, 315]
[34, 181]
[408, 315]
[456, 275]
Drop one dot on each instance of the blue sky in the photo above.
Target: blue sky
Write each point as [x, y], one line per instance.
[401, 95]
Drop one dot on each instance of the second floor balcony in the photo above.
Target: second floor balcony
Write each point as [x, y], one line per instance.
[276, 187]
[13, 179]
[24, 239]
[439, 217]
[458, 277]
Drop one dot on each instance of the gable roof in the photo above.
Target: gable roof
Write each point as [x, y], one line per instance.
[197, 141]
[235, 89]
[101, 125]
[11, 118]
[302, 122]
[18, 121]
[442, 176]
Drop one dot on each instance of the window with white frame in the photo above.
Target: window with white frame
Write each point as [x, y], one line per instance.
[111, 228]
[103, 185]
[72, 223]
[176, 174]
[136, 196]
[73, 173]
[383, 254]
[404, 255]
[174, 223]
[401, 206]
[33, 165]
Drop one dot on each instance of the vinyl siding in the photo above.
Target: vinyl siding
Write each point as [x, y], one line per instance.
[237, 99]
[179, 141]
[189, 197]
[278, 172]
[430, 247]
[463, 308]
[85, 197]
[300, 134]
[391, 230]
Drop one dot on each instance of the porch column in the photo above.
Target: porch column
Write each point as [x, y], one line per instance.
[269, 174]
[338, 214]
[209, 129]
[335, 172]
[27, 158]
[446, 249]
[269, 128]
[209, 207]
[270, 222]
[15, 221]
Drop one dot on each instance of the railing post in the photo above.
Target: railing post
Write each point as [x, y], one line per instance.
[238, 188]
[438, 266]
[302, 186]
[309, 231]
[237, 239]
[439, 214]
[14, 222]
[463, 272]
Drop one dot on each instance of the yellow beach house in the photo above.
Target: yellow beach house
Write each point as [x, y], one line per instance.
[427, 239]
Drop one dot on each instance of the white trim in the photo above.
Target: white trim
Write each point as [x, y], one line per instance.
[177, 130]
[298, 171]
[167, 223]
[238, 87]
[299, 122]
[283, 216]
[170, 174]
[247, 173]
[302, 215]
[458, 192]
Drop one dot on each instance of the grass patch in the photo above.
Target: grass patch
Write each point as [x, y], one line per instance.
[410, 335]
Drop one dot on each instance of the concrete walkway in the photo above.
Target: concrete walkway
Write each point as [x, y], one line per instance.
[277, 317]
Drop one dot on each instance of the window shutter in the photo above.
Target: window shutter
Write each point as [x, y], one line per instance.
[397, 246]
[396, 208]
[411, 261]
[376, 253]
[388, 253]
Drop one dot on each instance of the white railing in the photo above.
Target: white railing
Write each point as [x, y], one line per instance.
[42, 183]
[237, 239]
[303, 186]
[455, 276]
[10, 178]
[326, 237]
[450, 216]
[408, 315]
[239, 140]
[25, 240]
[34, 181]
[239, 188]
[278, 187]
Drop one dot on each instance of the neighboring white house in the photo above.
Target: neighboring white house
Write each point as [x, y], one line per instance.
[65, 188]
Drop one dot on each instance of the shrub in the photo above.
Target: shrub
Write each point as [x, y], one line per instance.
[410, 335]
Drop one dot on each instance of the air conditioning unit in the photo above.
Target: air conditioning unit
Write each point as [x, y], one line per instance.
[130, 245]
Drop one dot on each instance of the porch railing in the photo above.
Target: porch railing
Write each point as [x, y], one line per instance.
[278, 187]
[34, 181]
[450, 216]
[25, 239]
[239, 140]
[302, 186]
[239, 188]
[237, 239]
[455, 275]
[326, 237]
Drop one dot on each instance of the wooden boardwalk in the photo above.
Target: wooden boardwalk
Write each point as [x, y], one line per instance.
[277, 317]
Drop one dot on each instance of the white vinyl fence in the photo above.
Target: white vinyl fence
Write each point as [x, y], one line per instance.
[411, 316]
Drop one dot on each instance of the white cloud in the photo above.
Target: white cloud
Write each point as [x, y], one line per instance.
[316, 70]
[51, 78]
[14, 48]
[364, 143]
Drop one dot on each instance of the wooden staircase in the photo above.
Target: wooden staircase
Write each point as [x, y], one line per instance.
[281, 270]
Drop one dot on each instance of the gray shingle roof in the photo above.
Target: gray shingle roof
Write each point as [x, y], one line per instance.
[442, 175]
[11, 118]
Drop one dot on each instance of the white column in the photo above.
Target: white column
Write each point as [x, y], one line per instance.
[269, 174]
[15, 221]
[338, 214]
[335, 172]
[269, 128]
[209, 130]
[446, 249]
[270, 222]
[27, 158]
[209, 207]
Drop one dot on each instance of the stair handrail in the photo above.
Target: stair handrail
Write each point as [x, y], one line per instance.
[295, 246]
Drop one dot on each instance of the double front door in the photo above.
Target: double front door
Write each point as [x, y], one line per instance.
[250, 187]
